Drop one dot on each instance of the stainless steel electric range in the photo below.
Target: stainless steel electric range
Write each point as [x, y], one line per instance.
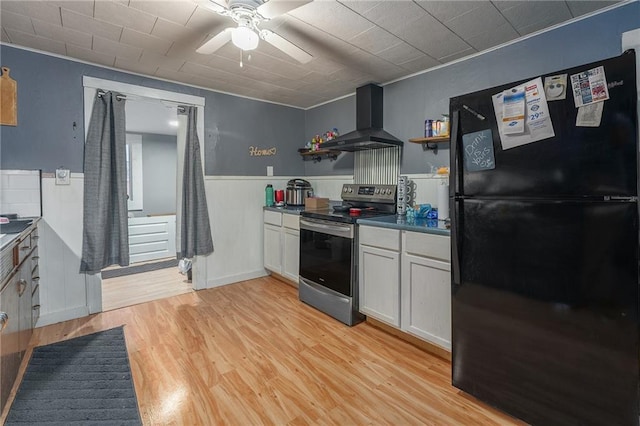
[329, 249]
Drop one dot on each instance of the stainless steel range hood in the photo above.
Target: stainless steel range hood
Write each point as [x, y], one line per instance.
[369, 133]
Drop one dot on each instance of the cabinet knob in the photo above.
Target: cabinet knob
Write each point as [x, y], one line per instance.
[35, 258]
[4, 320]
[36, 307]
[22, 286]
[25, 248]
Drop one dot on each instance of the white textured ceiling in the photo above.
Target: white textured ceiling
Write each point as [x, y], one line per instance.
[353, 42]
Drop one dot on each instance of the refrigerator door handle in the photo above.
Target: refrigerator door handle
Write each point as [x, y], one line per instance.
[453, 160]
[455, 245]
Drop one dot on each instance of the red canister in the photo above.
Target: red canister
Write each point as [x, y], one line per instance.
[279, 193]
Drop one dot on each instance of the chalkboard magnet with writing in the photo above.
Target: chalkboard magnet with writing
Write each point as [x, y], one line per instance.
[477, 151]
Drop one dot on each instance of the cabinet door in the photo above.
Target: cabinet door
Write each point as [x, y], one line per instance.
[426, 299]
[291, 254]
[10, 347]
[379, 284]
[273, 248]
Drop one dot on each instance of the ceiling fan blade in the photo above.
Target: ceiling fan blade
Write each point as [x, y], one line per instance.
[218, 6]
[286, 46]
[273, 8]
[215, 42]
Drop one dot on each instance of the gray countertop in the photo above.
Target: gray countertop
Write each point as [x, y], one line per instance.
[7, 239]
[285, 209]
[427, 226]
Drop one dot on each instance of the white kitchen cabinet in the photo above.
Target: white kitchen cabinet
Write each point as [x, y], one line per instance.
[379, 274]
[282, 244]
[20, 273]
[426, 287]
[291, 254]
[273, 248]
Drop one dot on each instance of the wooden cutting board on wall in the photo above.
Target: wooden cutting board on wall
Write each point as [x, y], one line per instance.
[8, 99]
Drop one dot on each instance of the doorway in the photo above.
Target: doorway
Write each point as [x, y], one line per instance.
[153, 149]
[151, 155]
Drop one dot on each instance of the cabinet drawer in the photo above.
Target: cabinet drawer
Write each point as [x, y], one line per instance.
[380, 237]
[428, 245]
[291, 221]
[273, 218]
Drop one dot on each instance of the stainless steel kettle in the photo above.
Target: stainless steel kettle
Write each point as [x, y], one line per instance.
[297, 191]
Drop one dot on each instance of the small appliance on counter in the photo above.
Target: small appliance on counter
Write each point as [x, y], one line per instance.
[297, 191]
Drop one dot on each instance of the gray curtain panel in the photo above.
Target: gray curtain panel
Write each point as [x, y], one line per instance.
[105, 239]
[195, 230]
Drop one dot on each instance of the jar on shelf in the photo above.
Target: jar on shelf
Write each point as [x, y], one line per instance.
[445, 125]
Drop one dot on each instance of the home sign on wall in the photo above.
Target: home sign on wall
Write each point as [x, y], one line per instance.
[254, 151]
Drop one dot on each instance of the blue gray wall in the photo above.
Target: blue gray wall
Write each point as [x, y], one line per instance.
[409, 102]
[159, 164]
[341, 115]
[240, 124]
[50, 101]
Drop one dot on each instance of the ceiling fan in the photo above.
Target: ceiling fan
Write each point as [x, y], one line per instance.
[248, 15]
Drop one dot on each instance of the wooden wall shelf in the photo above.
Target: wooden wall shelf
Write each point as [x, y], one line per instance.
[431, 143]
[319, 154]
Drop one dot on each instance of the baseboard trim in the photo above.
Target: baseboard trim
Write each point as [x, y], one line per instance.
[60, 316]
[284, 279]
[230, 279]
[432, 348]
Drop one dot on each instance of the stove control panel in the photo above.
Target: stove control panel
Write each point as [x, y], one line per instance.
[371, 193]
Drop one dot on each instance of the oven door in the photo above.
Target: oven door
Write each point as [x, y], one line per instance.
[327, 254]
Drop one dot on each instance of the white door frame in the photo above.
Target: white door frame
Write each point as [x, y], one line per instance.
[91, 85]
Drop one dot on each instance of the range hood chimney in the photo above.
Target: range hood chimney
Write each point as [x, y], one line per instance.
[369, 133]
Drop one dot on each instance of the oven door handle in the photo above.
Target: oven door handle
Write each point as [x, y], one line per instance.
[346, 231]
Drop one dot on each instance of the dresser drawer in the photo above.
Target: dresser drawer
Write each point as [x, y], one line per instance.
[428, 245]
[379, 237]
[291, 221]
[273, 218]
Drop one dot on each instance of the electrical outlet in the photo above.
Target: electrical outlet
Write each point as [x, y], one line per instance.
[269, 170]
[63, 177]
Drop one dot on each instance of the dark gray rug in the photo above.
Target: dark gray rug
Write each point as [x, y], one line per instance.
[82, 381]
[138, 269]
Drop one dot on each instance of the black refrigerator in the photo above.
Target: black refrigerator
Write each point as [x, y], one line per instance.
[544, 241]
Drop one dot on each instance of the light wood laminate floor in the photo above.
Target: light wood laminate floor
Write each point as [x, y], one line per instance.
[251, 353]
[132, 289]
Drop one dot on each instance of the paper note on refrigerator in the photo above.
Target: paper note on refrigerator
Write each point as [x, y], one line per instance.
[513, 108]
[589, 87]
[590, 115]
[537, 125]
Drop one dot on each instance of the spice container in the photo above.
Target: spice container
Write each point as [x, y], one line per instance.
[445, 125]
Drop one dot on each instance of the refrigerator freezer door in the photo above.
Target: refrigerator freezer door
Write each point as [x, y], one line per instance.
[544, 313]
[578, 161]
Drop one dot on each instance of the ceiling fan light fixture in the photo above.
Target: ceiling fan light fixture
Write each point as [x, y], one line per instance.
[245, 38]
